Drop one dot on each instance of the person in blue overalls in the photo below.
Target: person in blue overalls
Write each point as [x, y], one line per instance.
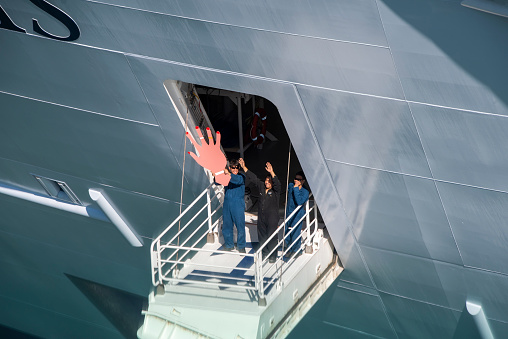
[233, 209]
[297, 195]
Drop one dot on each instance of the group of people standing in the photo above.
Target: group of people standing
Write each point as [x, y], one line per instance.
[268, 209]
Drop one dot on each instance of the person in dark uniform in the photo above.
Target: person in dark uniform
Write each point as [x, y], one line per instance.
[297, 195]
[268, 207]
[233, 209]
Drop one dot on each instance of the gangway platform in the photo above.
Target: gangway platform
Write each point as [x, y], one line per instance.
[202, 291]
[190, 310]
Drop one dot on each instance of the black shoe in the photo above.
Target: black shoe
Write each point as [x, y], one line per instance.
[228, 249]
[241, 250]
[271, 260]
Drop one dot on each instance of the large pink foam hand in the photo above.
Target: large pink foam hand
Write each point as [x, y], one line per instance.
[210, 155]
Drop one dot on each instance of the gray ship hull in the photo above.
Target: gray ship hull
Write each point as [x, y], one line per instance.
[396, 109]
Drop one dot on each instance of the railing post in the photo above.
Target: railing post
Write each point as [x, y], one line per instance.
[315, 218]
[209, 237]
[159, 261]
[259, 279]
[308, 242]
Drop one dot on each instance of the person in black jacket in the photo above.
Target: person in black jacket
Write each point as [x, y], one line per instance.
[268, 207]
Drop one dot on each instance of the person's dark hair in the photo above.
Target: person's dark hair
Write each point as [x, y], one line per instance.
[234, 162]
[269, 177]
[300, 174]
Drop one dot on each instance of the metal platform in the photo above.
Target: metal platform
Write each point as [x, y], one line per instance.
[189, 309]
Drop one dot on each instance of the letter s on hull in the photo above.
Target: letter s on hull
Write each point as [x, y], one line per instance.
[61, 16]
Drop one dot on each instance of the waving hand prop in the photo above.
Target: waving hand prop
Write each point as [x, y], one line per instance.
[210, 155]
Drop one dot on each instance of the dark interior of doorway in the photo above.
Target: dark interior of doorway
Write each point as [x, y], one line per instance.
[222, 112]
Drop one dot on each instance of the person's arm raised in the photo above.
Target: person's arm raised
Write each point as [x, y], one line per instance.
[242, 163]
[269, 169]
[301, 195]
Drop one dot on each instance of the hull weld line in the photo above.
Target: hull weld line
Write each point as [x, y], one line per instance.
[78, 109]
[237, 26]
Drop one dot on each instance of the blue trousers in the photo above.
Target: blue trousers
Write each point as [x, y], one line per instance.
[233, 213]
[297, 229]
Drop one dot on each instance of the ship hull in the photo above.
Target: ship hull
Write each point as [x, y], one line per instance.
[397, 111]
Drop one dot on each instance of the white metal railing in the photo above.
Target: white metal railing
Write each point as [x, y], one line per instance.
[159, 250]
[281, 264]
[170, 256]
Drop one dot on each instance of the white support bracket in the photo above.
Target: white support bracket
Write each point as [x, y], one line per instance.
[132, 237]
[480, 320]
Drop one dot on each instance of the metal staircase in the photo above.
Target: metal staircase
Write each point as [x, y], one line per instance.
[202, 291]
